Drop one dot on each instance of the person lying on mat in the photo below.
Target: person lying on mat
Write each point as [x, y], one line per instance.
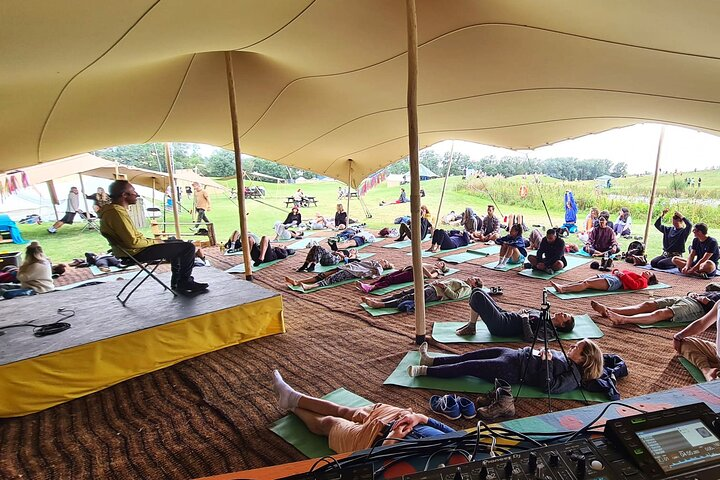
[442, 240]
[357, 239]
[117, 227]
[701, 353]
[325, 257]
[439, 290]
[404, 275]
[425, 226]
[674, 239]
[551, 254]
[350, 429]
[489, 228]
[522, 324]
[602, 240]
[360, 269]
[265, 252]
[704, 254]
[512, 247]
[609, 282]
[668, 309]
[319, 223]
[584, 362]
[282, 232]
[294, 218]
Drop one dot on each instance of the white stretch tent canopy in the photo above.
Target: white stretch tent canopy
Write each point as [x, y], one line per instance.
[320, 82]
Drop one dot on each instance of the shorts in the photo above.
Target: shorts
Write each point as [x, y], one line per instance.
[711, 274]
[684, 309]
[613, 282]
[520, 260]
[68, 218]
[347, 436]
[358, 240]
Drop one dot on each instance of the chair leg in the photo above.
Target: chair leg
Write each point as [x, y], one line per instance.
[150, 273]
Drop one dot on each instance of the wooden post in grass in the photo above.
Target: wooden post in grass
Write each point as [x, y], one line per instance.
[173, 190]
[654, 185]
[347, 210]
[418, 279]
[238, 166]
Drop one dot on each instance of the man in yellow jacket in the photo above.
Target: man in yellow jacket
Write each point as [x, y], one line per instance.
[202, 204]
[116, 226]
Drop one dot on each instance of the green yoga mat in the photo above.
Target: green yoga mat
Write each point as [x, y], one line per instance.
[473, 384]
[402, 244]
[241, 268]
[489, 250]
[462, 257]
[600, 293]
[572, 262]
[298, 288]
[444, 332]
[505, 268]
[96, 271]
[325, 268]
[378, 312]
[400, 286]
[303, 243]
[291, 429]
[425, 253]
[665, 324]
[692, 370]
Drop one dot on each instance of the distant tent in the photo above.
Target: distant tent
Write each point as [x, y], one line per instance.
[602, 181]
[425, 174]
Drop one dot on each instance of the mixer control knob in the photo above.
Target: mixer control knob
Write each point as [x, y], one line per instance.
[554, 460]
[483, 473]
[580, 467]
[532, 462]
[509, 469]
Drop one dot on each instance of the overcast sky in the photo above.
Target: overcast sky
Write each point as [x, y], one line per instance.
[683, 149]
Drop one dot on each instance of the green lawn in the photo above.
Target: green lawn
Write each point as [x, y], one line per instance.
[71, 242]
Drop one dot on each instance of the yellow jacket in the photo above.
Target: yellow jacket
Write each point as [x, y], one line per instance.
[202, 200]
[116, 226]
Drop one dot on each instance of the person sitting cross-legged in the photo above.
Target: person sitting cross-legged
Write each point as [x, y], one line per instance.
[704, 254]
[674, 239]
[512, 247]
[359, 269]
[673, 309]
[523, 324]
[351, 429]
[701, 353]
[615, 280]
[438, 290]
[116, 226]
[551, 254]
[602, 239]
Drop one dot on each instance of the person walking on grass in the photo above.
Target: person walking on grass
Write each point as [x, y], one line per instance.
[202, 204]
[72, 208]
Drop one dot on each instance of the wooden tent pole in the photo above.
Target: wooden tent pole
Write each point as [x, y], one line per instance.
[53, 198]
[238, 166]
[654, 185]
[447, 174]
[413, 143]
[349, 184]
[82, 190]
[153, 190]
[173, 190]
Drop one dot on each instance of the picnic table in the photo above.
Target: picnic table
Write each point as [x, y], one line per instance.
[305, 202]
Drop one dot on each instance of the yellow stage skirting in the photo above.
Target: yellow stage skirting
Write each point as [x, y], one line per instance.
[38, 383]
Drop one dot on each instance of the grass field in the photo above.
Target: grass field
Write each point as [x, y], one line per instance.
[71, 242]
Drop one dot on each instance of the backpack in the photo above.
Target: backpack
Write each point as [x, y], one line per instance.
[635, 253]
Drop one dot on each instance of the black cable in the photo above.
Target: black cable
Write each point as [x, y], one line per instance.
[47, 328]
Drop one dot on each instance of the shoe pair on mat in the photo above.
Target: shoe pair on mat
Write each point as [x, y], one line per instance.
[452, 406]
[496, 404]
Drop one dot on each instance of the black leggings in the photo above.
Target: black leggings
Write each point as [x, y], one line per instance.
[663, 262]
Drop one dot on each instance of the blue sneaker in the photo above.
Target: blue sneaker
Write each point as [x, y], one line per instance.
[446, 405]
[467, 407]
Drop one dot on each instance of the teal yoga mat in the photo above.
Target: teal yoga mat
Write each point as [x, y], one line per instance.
[462, 257]
[505, 268]
[572, 262]
[325, 268]
[444, 332]
[400, 286]
[400, 378]
[600, 293]
[378, 312]
[692, 370]
[97, 272]
[241, 268]
[666, 324]
[291, 429]
[489, 250]
[425, 253]
[298, 288]
[402, 244]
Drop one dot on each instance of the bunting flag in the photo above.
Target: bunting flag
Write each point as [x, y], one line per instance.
[371, 182]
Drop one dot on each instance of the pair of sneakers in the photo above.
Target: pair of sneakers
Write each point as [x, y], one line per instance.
[452, 406]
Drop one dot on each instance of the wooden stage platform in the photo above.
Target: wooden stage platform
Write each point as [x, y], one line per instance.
[109, 343]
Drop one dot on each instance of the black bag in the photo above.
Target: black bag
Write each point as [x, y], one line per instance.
[635, 253]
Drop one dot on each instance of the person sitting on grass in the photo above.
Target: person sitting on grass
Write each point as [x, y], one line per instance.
[674, 239]
[500, 323]
[602, 240]
[403, 276]
[265, 252]
[609, 282]
[704, 254]
[512, 247]
[701, 353]
[551, 254]
[354, 270]
[439, 290]
[282, 232]
[294, 218]
[319, 223]
[668, 309]
[357, 239]
[623, 223]
[489, 228]
[324, 257]
[442, 240]
[341, 217]
[350, 429]
[584, 362]
[425, 226]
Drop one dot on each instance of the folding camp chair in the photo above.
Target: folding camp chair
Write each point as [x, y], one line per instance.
[91, 222]
[145, 267]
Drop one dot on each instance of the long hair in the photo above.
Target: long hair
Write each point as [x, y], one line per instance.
[469, 221]
[592, 365]
[33, 254]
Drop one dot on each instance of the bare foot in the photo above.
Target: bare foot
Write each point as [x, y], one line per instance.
[306, 286]
[615, 318]
[599, 307]
[290, 281]
[711, 374]
[372, 303]
[557, 287]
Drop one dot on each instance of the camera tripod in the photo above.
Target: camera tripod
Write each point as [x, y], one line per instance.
[546, 326]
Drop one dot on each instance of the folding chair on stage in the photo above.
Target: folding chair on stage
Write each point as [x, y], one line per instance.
[145, 267]
[91, 222]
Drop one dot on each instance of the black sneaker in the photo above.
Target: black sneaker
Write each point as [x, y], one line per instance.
[191, 287]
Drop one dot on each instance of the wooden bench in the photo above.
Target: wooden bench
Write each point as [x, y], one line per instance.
[304, 203]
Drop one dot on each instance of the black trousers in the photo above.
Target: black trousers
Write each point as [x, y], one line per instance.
[180, 254]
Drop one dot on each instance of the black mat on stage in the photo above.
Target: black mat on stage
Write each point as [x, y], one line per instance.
[99, 315]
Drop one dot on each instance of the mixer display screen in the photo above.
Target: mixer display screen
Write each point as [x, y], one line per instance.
[681, 445]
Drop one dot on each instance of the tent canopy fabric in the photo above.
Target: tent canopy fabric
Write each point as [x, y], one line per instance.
[323, 81]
